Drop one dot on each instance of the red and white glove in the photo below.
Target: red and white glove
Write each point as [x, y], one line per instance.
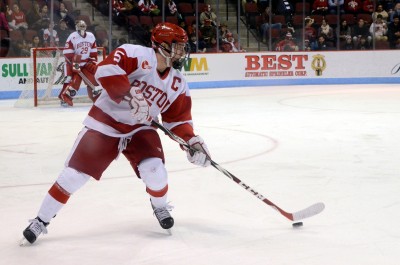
[91, 66]
[202, 156]
[139, 106]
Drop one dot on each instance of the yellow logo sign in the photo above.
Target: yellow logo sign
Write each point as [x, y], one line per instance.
[318, 64]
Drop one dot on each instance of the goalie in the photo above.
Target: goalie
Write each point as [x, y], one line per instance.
[80, 59]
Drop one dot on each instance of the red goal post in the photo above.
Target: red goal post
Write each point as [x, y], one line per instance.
[46, 78]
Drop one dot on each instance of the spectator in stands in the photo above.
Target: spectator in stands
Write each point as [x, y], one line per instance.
[378, 29]
[380, 11]
[17, 48]
[45, 13]
[50, 37]
[36, 43]
[327, 31]
[287, 44]
[182, 24]
[320, 7]
[395, 11]
[363, 44]
[352, 6]
[148, 8]
[320, 44]
[65, 14]
[8, 13]
[306, 45]
[361, 30]
[18, 19]
[3, 20]
[348, 44]
[25, 47]
[196, 46]
[310, 33]
[394, 33]
[266, 25]
[336, 6]
[209, 16]
[213, 46]
[193, 29]
[33, 16]
[208, 31]
[172, 10]
[345, 31]
[22, 48]
[223, 30]
[41, 21]
[63, 32]
[230, 44]
[368, 6]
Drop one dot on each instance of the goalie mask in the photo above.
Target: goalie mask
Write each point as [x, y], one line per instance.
[80, 26]
[171, 41]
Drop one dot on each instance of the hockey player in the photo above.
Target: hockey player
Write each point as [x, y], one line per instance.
[139, 84]
[80, 56]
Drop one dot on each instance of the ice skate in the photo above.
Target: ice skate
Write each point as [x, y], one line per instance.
[32, 232]
[164, 218]
[64, 104]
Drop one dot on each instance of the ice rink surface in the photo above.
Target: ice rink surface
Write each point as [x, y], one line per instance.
[296, 145]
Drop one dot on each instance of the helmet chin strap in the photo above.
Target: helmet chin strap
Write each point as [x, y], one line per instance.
[162, 49]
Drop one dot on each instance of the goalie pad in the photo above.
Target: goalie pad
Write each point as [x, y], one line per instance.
[76, 81]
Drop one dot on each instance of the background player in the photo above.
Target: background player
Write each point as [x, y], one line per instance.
[139, 83]
[81, 56]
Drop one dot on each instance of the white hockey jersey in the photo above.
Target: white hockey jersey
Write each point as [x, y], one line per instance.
[167, 94]
[84, 46]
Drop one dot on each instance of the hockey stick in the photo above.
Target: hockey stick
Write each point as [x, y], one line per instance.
[296, 216]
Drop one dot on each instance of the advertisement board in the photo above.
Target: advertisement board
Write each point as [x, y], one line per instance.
[207, 70]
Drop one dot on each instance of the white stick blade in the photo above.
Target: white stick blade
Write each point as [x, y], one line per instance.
[309, 211]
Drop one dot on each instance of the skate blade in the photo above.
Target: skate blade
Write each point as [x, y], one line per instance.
[23, 242]
[169, 232]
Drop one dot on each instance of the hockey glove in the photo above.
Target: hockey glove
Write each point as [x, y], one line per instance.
[91, 67]
[202, 156]
[139, 106]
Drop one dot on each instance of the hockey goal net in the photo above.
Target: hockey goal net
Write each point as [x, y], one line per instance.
[46, 78]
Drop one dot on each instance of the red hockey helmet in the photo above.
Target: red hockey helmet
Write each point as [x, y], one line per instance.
[176, 39]
[168, 33]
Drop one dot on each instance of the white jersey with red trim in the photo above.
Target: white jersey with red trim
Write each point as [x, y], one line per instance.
[84, 46]
[167, 93]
